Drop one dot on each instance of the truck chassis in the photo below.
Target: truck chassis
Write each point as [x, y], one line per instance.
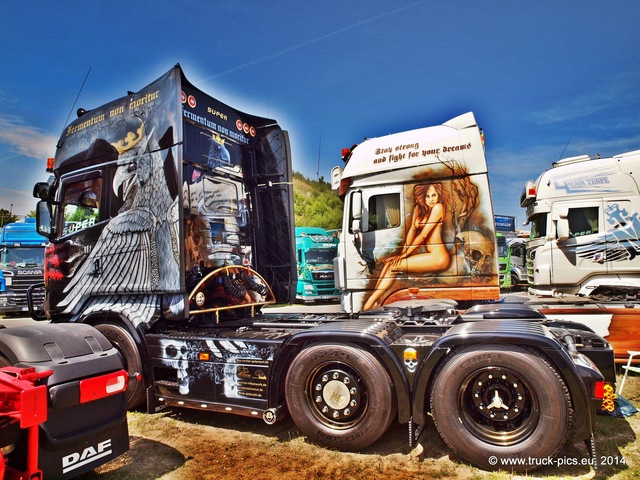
[495, 381]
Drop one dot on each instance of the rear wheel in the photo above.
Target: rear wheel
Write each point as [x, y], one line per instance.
[340, 396]
[4, 362]
[122, 340]
[492, 403]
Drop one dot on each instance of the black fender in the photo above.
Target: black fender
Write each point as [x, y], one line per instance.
[509, 332]
[138, 334]
[25, 343]
[375, 337]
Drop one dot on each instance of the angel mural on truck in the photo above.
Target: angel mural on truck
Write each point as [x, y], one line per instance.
[439, 244]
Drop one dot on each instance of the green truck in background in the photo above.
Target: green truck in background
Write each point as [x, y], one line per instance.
[315, 250]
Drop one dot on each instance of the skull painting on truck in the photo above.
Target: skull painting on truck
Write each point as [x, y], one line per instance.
[230, 369]
[478, 251]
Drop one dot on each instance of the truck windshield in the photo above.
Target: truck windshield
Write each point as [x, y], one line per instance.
[22, 257]
[317, 256]
[539, 226]
[502, 247]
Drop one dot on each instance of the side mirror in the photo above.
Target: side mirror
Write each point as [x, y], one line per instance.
[41, 190]
[356, 205]
[43, 219]
[356, 212]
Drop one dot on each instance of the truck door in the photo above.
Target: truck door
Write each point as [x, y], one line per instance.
[621, 233]
[583, 253]
[381, 234]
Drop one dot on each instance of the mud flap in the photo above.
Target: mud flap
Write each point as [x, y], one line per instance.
[415, 431]
[86, 423]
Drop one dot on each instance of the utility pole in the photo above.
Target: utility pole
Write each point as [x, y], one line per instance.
[4, 216]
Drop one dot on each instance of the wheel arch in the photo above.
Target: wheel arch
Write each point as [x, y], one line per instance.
[374, 345]
[557, 357]
[137, 334]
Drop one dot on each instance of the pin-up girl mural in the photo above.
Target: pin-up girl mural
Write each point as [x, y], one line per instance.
[424, 250]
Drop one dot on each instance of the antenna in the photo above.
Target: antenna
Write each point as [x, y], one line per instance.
[77, 96]
[319, 147]
[565, 149]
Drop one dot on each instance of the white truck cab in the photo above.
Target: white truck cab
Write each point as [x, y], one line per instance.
[418, 219]
[585, 231]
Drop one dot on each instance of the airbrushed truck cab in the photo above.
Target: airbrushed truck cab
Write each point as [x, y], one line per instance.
[384, 184]
[183, 234]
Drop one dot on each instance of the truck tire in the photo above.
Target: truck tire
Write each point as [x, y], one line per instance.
[492, 403]
[122, 340]
[515, 284]
[340, 396]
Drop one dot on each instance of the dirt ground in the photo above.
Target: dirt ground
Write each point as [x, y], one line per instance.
[182, 444]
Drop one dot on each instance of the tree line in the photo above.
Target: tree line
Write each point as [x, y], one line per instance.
[315, 204]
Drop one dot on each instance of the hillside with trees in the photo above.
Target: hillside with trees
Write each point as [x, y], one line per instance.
[315, 204]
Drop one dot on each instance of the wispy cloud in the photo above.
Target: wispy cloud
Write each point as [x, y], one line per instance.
[23, 139]
[613, 92]
[349, 27]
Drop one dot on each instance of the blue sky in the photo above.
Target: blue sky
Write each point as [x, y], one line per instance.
[545, 79]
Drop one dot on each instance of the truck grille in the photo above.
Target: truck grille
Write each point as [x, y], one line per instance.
[20, 285]
[322, 275]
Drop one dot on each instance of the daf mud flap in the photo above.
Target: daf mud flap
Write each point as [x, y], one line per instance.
[86, 422]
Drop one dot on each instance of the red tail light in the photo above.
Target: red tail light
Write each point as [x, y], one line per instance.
[598, 390]
[95, 388]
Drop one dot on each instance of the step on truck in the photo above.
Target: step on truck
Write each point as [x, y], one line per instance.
[184, 236]
[21, 262]
[62, 401]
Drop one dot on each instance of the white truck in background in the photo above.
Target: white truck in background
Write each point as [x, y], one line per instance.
[585, 230]
[517, 250]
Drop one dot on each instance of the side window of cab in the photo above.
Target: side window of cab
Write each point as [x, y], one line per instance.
[80, 203]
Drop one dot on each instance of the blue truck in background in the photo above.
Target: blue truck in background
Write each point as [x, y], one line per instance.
[315, 250]
[21, 263]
